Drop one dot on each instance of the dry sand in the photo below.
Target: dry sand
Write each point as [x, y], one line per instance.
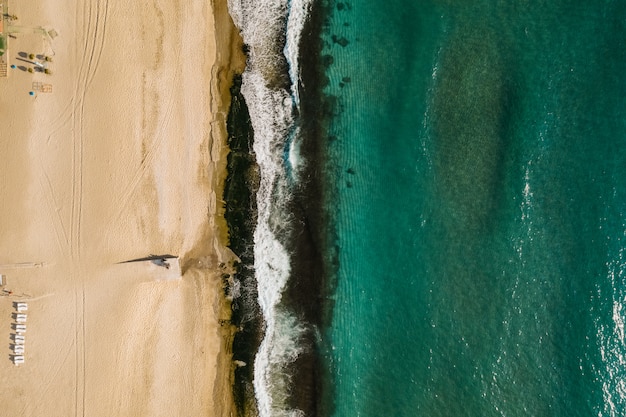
[126, 157]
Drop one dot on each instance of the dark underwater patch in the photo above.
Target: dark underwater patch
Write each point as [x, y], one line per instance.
[240, 190]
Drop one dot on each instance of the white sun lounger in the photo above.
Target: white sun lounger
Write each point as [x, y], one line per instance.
[22, 307]
[20, 328]
[20, 318]
[18, 359]
[19, 339]
[18, 349]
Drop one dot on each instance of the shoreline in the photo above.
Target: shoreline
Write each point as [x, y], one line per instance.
[231, 61]
[126, 157]
[290, 235]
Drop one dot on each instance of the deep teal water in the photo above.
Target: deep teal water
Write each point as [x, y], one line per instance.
[479, 171]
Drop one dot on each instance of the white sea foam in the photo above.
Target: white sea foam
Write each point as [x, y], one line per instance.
[612, 347]
[271, 120]
[295, 159]
[262, 24]
[281, 346]
[298, 12]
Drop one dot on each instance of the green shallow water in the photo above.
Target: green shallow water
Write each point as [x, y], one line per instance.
[480, 206]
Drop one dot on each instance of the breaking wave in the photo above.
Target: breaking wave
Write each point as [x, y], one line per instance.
[271, 30]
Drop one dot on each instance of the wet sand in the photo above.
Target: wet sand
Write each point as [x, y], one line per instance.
[123, 159]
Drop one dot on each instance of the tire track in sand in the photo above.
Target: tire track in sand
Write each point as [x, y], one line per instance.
[62, 238]
[163, 113]
[91, 17]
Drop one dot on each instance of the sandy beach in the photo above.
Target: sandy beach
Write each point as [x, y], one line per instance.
[123, 159]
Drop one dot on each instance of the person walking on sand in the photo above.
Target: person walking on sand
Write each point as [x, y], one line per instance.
[162, 262]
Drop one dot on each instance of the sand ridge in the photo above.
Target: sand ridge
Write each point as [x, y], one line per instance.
[126, 157]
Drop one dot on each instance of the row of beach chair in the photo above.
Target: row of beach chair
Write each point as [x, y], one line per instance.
[20, 328]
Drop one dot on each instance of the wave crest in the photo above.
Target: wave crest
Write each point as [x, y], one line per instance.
[271, 30]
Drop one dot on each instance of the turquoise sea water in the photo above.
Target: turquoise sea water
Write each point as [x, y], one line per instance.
[478, 162]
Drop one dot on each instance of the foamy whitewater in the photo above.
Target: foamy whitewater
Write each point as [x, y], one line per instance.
[272, 113]
[466, 164]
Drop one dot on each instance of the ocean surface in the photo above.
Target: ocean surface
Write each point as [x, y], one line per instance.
[441, 215]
